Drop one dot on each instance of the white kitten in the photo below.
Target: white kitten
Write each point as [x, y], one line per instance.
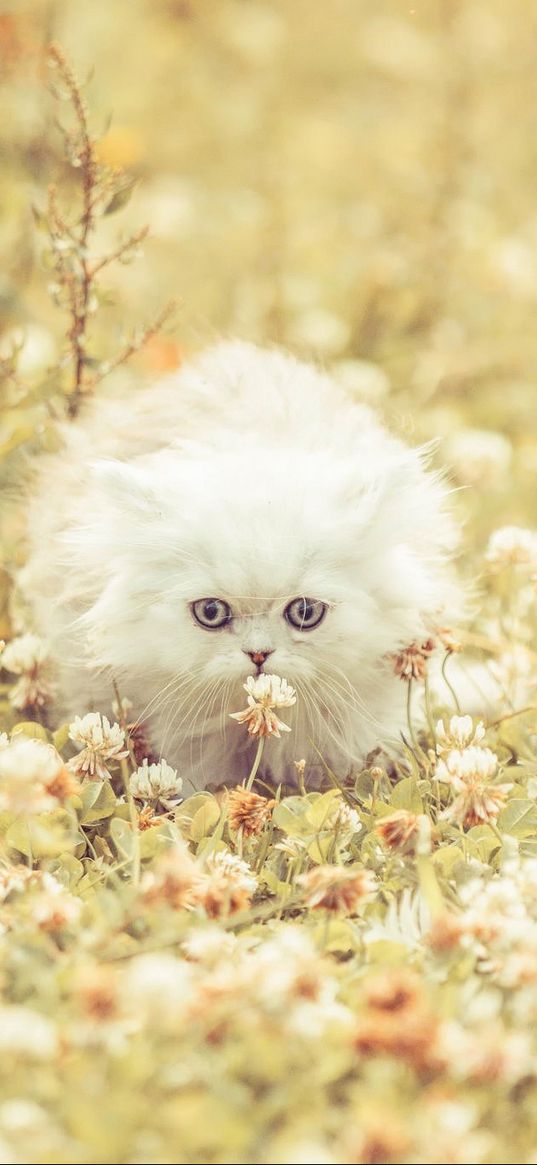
[242, 510]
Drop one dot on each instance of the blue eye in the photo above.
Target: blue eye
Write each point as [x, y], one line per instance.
[211, 613]
[305, 614]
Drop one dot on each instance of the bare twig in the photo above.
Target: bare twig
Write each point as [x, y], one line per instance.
[103, 191]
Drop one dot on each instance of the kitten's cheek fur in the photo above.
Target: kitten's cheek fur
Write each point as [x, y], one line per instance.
[251, 476]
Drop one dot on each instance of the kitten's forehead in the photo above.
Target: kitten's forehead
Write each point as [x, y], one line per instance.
[263, 526]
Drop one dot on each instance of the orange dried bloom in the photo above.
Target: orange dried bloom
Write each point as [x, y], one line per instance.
[411, 663]
[97, 991]
[377, 1144]
[173, 881]
[147, 818]
[446, 932]
[62, 785]
[248, 811]
[339, 889]
[409, 1037]
[227, 887]
[400, 829]
[395, 990]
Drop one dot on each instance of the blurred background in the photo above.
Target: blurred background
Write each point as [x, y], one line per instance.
[355, 181]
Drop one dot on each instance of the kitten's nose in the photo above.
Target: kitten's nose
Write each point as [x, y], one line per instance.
[259, 657]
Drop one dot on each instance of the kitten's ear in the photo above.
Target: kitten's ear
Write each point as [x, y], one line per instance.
[126, 487]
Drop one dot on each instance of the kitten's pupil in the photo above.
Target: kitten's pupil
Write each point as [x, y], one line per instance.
[211, 613]
[305, 614]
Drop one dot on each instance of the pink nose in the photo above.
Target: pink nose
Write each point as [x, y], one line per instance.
[259, 657]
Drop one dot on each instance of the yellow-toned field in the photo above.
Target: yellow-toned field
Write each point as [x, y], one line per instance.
[276, 975]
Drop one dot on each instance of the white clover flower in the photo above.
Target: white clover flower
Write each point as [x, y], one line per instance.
[288, 967]
[472, 763]
[31, 692]
[27, 657]
[4, 740]
[100, 742]
[344, 819]
[24, 654]
[27, 1033]
[274, 690]
[511, 546]
[54, 908]
[227, 885]
[158, 782]
[14, 879]
[469, 772]
[265, 692]
[209, 944]
[159, 985]
[232, 869]
[315, 1019]
[458, 734]
[30, 771]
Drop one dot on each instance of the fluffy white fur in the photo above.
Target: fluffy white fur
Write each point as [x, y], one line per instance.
[250, 477]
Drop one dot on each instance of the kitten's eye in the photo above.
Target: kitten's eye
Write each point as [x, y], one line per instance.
[211, 613]
[305, 613]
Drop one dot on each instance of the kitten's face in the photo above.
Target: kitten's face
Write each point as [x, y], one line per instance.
[311, 563]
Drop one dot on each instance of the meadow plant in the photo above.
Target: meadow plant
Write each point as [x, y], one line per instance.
[338, 974]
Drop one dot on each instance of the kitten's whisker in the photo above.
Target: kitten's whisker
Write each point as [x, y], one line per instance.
[198, 691]
[176, 709]
[347, 689]
[332, 725]
[212, 694]
[175, 680]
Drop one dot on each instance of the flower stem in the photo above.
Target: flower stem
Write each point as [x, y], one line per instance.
[449, 686]
[257, 762]
[428, 709]
[134, 825]
[409, 717]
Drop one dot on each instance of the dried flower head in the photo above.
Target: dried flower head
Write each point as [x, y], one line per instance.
[446, 932]
[393, 991]
[173, 880]
[100, 742]
[248, 811]
[408, 1034]
[227, 886]
[96, 989]
[458, 734]
[411, 663]
[157, 782]
[340, 889]
[147, 818]
[402, 830]
[265, 693]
